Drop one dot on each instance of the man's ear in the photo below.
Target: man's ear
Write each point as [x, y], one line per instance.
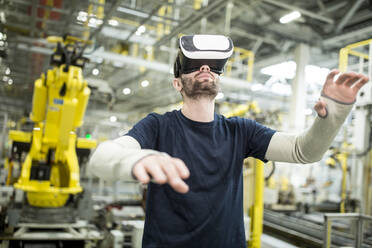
[177, 84]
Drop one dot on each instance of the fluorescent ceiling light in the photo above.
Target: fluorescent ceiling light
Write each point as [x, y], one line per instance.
[95, 72]
[113, 118]
[141, 29]
[145, 83]
[113, 22]
[126, 91]
[290, 17]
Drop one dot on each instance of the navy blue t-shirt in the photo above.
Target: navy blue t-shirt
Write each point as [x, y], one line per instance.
[211, 213]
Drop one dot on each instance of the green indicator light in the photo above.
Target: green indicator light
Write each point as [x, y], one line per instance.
[88, 136]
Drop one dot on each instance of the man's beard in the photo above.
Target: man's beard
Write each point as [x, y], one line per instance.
[199, 88]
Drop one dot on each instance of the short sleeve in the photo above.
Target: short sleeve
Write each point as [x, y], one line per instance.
[146, 131]
[257, 139]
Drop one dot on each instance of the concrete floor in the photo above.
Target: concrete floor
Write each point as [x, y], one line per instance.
[271, 242]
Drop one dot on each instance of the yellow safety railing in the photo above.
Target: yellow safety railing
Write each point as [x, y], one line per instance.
[243, 54]
[256, 211]
[350, 50]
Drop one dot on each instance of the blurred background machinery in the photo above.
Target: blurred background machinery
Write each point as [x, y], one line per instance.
[283, 51]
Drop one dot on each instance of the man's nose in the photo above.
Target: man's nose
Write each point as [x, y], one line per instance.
[205, 68]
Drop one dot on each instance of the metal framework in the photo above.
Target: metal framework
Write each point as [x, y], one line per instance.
[328, 218]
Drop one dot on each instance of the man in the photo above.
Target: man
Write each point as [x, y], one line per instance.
[192, 158]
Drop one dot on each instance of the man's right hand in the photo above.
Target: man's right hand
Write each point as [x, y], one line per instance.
[162, 169]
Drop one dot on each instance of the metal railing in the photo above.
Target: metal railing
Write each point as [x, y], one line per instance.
[359, 218]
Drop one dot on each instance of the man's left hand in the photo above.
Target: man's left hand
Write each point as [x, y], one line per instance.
[344, 89]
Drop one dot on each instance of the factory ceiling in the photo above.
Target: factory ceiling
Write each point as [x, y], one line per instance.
[134, 41]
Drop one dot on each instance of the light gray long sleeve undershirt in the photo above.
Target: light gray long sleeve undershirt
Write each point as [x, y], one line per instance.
[309, 146]
[114, 160]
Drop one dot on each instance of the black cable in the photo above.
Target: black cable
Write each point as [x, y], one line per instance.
[271, 172]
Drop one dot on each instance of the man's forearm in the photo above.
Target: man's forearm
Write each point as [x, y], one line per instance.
[114, 159]
[311, 145]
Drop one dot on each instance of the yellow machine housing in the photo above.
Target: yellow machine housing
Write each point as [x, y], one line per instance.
[50, 171]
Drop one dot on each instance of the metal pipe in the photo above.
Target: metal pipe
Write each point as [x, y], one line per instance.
[348, 15]
[144, 21]
[350, 35]
[203, 12]
[204, 20]
[138, 13]
[229, 7]
[105, 20]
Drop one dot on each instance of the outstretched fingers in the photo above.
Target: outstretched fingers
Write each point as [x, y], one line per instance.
[345, 77]
[141, 174]
[173, 177]
[156, 172]
[359, 84]
[181, 168]
[352, 79]
[331, 76]
[162, 169]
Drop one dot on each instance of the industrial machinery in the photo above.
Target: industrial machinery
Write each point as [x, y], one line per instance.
[50, 170]
[45, 204]
[345, 228]
[339, 158]
[361, 53]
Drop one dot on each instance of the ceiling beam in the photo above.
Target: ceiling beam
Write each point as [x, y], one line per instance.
[348, 16]
[192, 20]
[302, 11]
[349, 37]
[139, 13]
[156, 9]
[162, 67]
[243, 33]
[333, 7]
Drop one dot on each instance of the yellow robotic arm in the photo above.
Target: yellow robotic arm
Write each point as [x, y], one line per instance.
[50, 172]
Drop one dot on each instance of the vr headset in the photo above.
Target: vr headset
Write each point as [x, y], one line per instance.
[198, 50]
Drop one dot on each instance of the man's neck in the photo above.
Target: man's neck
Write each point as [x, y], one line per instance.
[201, 110]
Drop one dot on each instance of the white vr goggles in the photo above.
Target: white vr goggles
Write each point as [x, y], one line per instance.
[198, 50]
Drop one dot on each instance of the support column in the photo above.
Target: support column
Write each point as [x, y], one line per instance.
[229, 7]
[359, 170]
[203, 21]
[298, 99]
